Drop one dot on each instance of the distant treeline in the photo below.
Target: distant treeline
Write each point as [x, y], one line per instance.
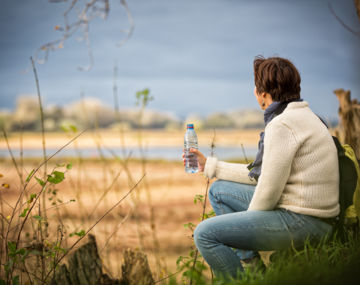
[92, 113]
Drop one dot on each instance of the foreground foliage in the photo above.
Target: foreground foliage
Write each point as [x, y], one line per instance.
[329, 262]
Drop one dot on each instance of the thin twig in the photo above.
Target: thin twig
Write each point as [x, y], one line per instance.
[10, 152]
[204, 206]
[17, 202]
[243, 150]
[21, 165]
[50, 208]
[88, 45]
[42, 212]
[106, 213]
[55, 153]
[98, 142]
[2, 244]
[7, 203]
[104, 194]
[155, 239]
[27, 273]
[25, 219]
[131, 21]
[3, 219]
[124, 164]
[41, 114]
[341, 21]
[38, 195]
[118, 118]
[115, 94]
[21, 153]
[202, 218]
[167, 277]
[59, 205]
[32, 175]
[116, 229]
[212, 146]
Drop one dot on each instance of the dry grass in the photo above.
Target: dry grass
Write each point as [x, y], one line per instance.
[150, 138]
[97, 184]
[172, 198]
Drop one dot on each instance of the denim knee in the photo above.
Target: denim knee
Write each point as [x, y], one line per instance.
[197, 234]
[200, 235]
[215, 188]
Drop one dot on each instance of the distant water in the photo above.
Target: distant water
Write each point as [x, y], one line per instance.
[164, 153]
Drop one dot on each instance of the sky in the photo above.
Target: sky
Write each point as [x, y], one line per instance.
[195, 56]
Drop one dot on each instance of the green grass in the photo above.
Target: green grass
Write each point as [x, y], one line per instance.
[331, 262]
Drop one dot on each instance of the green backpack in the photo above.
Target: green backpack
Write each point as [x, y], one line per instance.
[349, 188]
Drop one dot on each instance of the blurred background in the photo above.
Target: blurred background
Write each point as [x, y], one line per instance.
[133, 73]
[195, 56]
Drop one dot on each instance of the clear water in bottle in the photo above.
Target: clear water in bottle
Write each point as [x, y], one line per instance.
[190, 141]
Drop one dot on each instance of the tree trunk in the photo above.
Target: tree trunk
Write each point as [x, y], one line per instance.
[357, 7]
[85, 267]
[349, 125]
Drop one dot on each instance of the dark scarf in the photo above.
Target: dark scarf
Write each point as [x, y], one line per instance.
[276, 108]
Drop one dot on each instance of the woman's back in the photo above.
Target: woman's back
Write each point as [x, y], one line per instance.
[302, 140]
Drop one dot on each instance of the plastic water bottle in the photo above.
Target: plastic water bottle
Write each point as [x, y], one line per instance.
[190, 141]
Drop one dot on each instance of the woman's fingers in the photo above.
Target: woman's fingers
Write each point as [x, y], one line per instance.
[200, 156]
[196, 151]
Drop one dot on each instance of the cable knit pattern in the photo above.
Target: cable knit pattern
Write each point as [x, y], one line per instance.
[300, 170]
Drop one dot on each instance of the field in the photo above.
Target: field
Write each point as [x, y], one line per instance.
[131, 138]
[152, 218]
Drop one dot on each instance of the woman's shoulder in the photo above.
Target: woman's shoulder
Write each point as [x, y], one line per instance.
[294, 114]
[297, 118]
[299, 121]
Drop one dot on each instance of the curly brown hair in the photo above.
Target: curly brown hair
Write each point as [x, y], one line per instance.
[278, 77]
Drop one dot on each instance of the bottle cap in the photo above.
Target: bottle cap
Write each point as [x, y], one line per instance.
[190, 126]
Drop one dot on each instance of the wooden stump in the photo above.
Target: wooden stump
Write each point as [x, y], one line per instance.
[349, 124]
[135, 269]
[85, 267]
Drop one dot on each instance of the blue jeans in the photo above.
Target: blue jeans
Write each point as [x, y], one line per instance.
[249, 231]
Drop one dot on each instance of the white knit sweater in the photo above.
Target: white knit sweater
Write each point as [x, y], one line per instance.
[300, 170]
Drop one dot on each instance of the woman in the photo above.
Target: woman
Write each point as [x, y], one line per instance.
[290, 193]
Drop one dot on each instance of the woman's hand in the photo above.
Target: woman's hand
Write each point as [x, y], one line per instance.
[201, 158]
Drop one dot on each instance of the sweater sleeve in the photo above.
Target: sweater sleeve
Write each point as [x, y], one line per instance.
[236, 172]
[280, 146]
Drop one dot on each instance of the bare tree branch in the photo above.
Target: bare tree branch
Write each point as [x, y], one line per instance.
[85, 13]
[357, 4]
[130, 31]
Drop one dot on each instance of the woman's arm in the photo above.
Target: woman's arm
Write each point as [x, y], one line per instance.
[236, 172]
